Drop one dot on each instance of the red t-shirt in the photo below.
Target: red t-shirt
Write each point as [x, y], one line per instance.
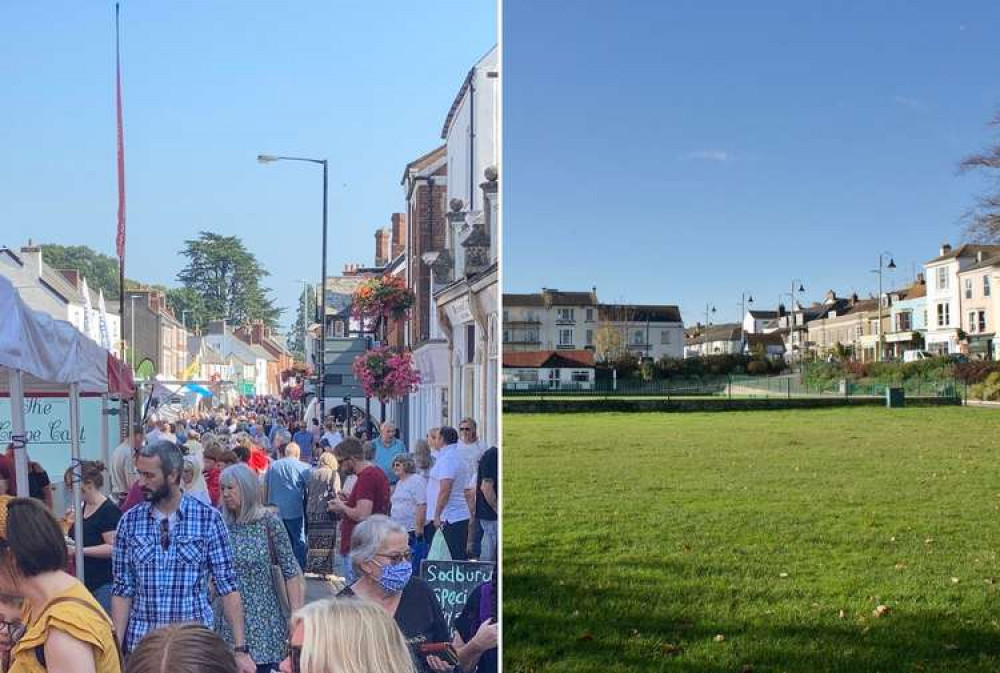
[259, 461]
[372, 484]
[212, 482]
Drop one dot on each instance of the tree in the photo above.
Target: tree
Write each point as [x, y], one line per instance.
[295, 342]
[984, 218]
[100, 270]
[226, 277]
[188, 307]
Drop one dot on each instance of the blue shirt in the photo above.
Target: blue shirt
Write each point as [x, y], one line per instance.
[304, 439]
[385, 454]
[171, 585]
[286, 482]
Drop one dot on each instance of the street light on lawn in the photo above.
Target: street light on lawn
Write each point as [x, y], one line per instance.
[881, 265]
[269, 159]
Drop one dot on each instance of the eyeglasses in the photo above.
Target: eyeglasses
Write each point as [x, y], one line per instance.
[294, 654]
[397, 557]
[13, 630]
[466, 429]
[164, 533]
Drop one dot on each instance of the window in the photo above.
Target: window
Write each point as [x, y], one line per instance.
[565, 337]
[858, 331]
[904, 321]
[580, 376]
[943, 314]
[942, 278]
[470, 344]
[986, 285]
[590, 337]
[531, 336]
[972, 321]
[590, 315]
[566, 314]
[873, 326]
[506, 336]
[553, 378]
[665, 337]
[968, 288]
[982, 321]
[637, 337]
[506, 316]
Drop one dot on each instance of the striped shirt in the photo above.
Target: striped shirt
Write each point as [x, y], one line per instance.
[169, 585]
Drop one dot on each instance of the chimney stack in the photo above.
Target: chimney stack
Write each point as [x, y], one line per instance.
[945, 249]
[979, 256]
[920, 278]
[32, 255]
[381, 247]
[398, 234]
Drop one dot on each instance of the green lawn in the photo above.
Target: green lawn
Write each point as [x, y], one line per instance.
[631, 541]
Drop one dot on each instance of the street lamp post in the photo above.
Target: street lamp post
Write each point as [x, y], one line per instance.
[131, 310]
[709, 310]
[745, 298]
[879, 355]
[791, 314]
[266, 159]
[305, 319]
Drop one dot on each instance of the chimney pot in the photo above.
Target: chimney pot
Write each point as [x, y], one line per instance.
[945, 249]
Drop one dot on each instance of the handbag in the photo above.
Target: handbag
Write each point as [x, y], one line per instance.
[439, 549]
[278, 577]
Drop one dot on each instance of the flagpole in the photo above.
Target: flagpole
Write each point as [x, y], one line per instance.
[120, 237]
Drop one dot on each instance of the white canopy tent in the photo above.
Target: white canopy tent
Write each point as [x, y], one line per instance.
[41, 355]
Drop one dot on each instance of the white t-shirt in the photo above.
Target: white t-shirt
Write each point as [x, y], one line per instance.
[332, 438]
[471, 453]
[449, 465]
[406, 497]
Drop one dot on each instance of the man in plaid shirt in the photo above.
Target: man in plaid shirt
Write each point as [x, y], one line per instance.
[164, 550]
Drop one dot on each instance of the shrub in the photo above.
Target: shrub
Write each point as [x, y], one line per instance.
[758, 367]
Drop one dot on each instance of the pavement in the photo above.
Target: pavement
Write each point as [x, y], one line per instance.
[318, 588]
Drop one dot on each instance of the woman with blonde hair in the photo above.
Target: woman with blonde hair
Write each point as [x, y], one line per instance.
[182, 648]
[346, 635]
[321, 524]
[100, 520]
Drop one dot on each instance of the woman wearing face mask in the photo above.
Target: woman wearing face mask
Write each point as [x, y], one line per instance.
[380, 556]
[100, 519]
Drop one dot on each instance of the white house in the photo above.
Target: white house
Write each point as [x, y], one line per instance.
[551, 370]
[725, 339]
[56, 292]
[944, 294]
[760, 322]
[649, 331]
[465, 272]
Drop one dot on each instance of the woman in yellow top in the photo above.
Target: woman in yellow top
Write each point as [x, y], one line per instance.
[63, 629]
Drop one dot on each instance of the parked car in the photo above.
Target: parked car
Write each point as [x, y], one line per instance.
[916, 355]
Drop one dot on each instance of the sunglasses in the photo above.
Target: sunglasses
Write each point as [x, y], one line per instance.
[466, 429]
[164, 533]
[294, 654]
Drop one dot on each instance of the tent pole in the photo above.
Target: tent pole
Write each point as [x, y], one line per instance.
[17, 425]
[105, 450]
[74, 429]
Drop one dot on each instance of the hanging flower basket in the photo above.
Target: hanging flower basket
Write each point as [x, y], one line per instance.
[382, 297]
[386, 373]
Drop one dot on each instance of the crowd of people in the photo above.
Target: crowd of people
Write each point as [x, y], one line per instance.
[198, 535]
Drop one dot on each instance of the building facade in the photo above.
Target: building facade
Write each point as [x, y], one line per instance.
[944, 294]
[978, 284]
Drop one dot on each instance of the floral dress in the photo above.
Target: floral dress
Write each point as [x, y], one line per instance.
[266, 628]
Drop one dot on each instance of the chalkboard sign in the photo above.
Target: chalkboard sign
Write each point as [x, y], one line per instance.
[452, 581]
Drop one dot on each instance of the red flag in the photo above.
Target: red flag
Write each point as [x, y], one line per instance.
[120, 241]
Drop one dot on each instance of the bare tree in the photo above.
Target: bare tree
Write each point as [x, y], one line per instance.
[611, 338]
[984, 219]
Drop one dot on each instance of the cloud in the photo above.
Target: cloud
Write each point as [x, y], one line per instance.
[911, 103]
[721, 156]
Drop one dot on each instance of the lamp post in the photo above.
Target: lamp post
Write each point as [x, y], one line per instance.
[266, 159]
[305, 319]
[131, 310]
[745, 298]
[791, 315]
[881, 265]
[709, 310]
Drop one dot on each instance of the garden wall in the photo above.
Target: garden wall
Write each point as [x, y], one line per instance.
[557, 406]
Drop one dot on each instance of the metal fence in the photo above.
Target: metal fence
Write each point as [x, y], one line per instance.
[742, 387]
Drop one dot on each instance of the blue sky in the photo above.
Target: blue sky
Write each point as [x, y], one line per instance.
[685, 152]
[208, 86]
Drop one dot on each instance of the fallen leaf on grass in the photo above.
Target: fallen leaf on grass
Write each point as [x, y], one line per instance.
[954, 580]
[842, 615]
[782, 575]
[900, 565]
[671, 650]
[719, 638]
[585, 637]
[880, 611]
[951, 647]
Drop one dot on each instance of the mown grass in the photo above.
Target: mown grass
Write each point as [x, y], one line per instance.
[631, 541]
